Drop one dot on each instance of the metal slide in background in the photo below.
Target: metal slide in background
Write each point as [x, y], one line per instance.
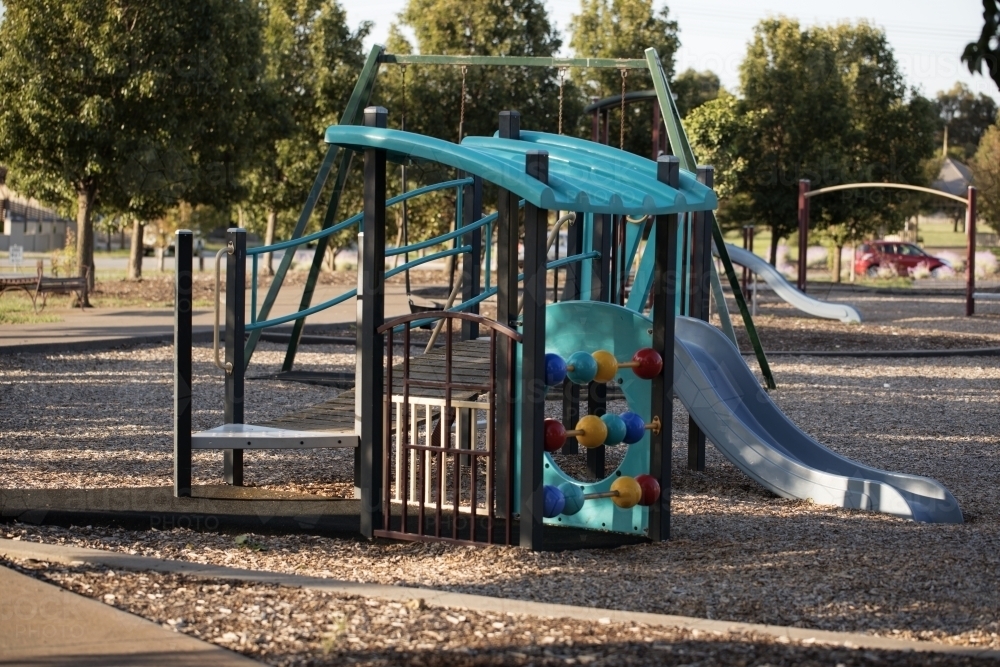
[725, 399]
[785, 290]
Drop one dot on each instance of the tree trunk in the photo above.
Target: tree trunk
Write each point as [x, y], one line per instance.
[836, 262]
[85, 237]
[774, 248]
[272, 222]
[135, 251]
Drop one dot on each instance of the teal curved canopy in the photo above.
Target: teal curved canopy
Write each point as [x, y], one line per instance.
[587, 181]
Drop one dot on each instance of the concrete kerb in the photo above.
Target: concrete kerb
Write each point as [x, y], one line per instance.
[69, 555]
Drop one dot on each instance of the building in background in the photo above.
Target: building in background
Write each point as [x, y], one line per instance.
[29, 224]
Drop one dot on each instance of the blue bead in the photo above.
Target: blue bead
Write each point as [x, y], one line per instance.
[554, 502]
[555, 369]
[616, 429]
[635, 428]
[584, 368]
[572, 498]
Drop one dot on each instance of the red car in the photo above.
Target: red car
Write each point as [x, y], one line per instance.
[903, 257]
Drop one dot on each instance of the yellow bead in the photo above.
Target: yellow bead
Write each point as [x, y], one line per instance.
[629, 492]
[607, 366]
[595, 431]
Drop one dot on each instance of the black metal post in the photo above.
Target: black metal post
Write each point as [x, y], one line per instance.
[571, 414]
[507, 236]
[533, 360]
[372, 310]
[701, 285]
[183, 249]
[597, 405]
[664, 291]
[236, 291]
[472, 204]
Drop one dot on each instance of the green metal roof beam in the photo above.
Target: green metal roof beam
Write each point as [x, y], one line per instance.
[515, 61]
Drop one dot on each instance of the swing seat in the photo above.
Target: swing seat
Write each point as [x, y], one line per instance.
[416, 308]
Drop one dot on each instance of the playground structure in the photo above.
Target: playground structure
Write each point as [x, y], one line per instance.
[460, 449]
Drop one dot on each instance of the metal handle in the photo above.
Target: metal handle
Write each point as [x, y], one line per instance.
[228, 250]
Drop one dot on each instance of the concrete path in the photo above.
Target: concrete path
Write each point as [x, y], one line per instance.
[109, 326]
[435, 598]
[47, 625]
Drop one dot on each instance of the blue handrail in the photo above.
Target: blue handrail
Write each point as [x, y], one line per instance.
[355, 219]
[437, 240]
[428, 258]
[303, 313]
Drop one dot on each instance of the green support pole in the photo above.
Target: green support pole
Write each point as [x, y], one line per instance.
[353, 115]
[682, 148]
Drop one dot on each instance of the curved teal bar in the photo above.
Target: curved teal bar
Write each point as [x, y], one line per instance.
[586, 182]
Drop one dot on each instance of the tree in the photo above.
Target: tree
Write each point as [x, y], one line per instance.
[889, 135]
[434, 101]
[622, 29]
[111, 106]
[986, 170]
[964, 118]
[694, 89]
[312, 62]
[986, 50]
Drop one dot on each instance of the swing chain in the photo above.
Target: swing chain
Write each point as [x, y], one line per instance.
[402, 123]
[562, 79]
[621, 122]
[461, 114]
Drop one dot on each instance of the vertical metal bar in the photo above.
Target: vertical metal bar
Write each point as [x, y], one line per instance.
[488, 262]
[746, 272]
[597, 405]
[408, 432]
[491, 438]
[701, 278]
[236, 279]
[183, 296]
[803, 231]
[359, 404]
[656, 132]
[970, 260]
[595, 123]
[253, 291]
[662, 403]
[507, 233]
[387, 435]
[571, 414]
[533, 360]
[600, 287]
[471, 261]
[372, 309]
[574, 246]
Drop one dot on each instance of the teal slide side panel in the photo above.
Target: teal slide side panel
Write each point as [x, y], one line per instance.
[698, 196]
[573, 326]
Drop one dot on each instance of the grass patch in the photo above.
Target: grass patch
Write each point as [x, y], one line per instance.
[15, 308]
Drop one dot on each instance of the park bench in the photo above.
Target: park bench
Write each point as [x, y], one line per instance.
[41, 285]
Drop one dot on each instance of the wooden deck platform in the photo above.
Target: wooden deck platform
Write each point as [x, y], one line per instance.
[470, 365]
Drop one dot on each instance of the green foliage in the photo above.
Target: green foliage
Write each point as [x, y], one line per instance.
[312, 61]
[433, 101]
[986, 169]
[967, 117]
[110, 104]
[694, 89]
[828, 104]
[622, 29]
[986, 50]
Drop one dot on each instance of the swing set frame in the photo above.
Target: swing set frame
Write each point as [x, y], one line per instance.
[354, 115]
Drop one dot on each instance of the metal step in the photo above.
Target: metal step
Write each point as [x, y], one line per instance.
[248, 436]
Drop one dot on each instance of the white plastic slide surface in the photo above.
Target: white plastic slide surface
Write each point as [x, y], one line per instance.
[739, 418]
[785, 290]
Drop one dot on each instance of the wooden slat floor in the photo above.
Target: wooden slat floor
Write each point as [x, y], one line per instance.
[470, 365]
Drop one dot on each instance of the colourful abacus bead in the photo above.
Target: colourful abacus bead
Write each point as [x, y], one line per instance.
[628, 492]
[607, 366]
[573, 498]
[650, 489]
[616, 429]
[648, 362]
[581, 368]
[554, 502]
[591, 431]
[555, 435]
[555, 369]
[635, 428]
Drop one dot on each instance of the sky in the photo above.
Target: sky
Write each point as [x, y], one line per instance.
[928, 36]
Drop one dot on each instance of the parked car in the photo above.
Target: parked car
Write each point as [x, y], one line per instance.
[903, 257]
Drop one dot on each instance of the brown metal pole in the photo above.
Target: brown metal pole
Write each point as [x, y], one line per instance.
[746, 246]
[595, 124]
[803, 231]
[970, 261]
[656, 131]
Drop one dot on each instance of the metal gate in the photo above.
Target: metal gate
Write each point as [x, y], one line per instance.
[446, 434]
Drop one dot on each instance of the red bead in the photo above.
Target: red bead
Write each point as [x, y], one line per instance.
[650, 363]
[555, 435]
[650, 489]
